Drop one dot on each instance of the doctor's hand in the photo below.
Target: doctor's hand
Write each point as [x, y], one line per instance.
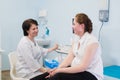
[55, 46]
[42, 69]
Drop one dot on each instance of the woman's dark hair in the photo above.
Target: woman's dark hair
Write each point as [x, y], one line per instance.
[82, 18]
[27, 24]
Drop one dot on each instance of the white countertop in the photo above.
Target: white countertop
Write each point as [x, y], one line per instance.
[64, 49]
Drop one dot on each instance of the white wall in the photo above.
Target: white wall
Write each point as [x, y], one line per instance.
[12, 14]
[60, 14]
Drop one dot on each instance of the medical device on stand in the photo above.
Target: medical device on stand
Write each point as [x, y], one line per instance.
[44, 31]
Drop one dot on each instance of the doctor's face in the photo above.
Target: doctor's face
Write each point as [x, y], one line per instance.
[33, 31]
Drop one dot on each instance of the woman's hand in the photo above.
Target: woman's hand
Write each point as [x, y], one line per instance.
[52, 72]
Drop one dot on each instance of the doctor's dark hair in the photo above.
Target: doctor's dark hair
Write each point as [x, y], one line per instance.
[27, 24]
[82, 18]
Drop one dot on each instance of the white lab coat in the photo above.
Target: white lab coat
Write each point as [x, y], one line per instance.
[29, 55]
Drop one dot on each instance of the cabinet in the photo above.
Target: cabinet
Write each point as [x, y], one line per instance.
[0, 62]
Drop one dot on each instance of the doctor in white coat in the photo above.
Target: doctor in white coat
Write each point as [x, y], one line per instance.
[29, 54]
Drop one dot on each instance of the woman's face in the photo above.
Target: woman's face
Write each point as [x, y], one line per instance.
[77, 27]
[33, 31]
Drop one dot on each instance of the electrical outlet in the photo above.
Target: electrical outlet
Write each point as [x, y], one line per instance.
[104, 15]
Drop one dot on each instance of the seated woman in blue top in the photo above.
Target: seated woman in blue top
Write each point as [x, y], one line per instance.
[85, 56]
[29, 54]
